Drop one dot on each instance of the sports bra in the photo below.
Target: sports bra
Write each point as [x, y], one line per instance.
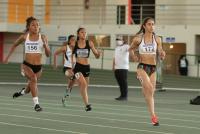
[33, 46]
[82, 52]
[148, 48]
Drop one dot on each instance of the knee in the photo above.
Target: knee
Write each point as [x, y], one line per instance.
[149, 90]
[33, 79]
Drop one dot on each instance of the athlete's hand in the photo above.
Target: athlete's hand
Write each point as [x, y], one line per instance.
[135, 58]
[99, 52]
[44, 41]
[162, 55]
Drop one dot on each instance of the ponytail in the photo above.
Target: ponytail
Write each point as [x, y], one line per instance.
[142, 30]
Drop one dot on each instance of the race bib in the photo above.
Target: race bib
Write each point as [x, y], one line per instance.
[82, 53]
[32, 47]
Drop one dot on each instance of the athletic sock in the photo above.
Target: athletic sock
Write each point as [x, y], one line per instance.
[35, 100]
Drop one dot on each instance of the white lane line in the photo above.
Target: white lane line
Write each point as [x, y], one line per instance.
[106, 105]
[49, 129]
[94, 85]
[86, 124]
[115, 109]
[111, 119]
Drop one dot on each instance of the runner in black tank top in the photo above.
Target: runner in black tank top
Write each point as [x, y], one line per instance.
[82, 53]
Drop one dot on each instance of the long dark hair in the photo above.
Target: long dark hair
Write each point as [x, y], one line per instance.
[69, 38]
[79, 29]
[28, 22]
[142, 30]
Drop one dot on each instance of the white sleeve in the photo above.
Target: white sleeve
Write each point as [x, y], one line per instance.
[127, 47]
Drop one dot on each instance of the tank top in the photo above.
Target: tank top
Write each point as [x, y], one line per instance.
[148, 48]
[67, 57]
[82, 52]
[33, 46]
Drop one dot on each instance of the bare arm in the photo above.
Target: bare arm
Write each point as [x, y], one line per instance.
[57, 52]
[13, 47]
[46, 46]
[96, 52]
[161, 52]
[134, 46]
[113, 66]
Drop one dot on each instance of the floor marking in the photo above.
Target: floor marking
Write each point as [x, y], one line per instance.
[49, 129]
[94, 125]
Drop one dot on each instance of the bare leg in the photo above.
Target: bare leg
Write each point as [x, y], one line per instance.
[148, 88]
[70, 84]
[32, 84]
[69, 87]
[83, 88]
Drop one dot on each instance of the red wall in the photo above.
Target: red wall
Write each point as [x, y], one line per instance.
[1, 46]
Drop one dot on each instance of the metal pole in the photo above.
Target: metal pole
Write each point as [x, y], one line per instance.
[198, 62]
[119, 15]
[102, 58]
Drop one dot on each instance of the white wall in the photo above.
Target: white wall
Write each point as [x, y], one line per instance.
[117, 2]
[180, 11]
[178, 2]
[73, 12]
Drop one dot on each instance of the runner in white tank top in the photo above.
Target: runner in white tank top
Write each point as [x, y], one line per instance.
[68, 57]
[33, 46]
[149, 46]
[32, 65]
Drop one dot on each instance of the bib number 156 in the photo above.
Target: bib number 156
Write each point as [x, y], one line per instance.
[32, 48]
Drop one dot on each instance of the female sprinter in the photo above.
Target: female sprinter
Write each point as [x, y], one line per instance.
[82, 53]
[34, 43]
[149, 46]
[68, 66]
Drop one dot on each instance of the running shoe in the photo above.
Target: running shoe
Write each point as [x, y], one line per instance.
[66, 96]
[37, 108]
[63, 101]
[88, 108]
[17, 94]
[67, 92]
[154, 121]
